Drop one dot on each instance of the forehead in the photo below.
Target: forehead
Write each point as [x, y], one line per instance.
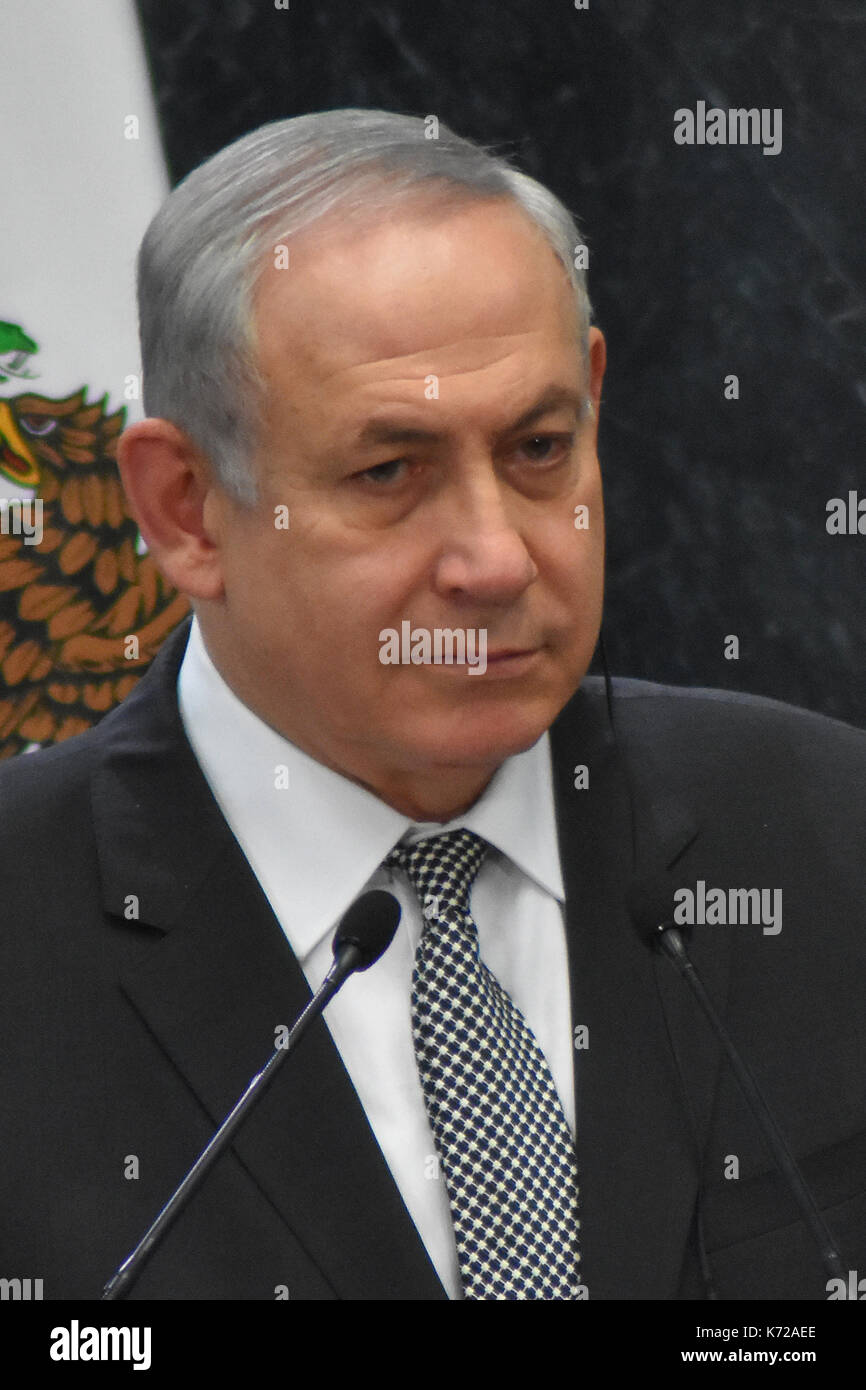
[419, 288]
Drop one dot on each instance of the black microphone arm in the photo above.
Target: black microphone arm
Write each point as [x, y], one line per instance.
[364, 934]
[651, 912]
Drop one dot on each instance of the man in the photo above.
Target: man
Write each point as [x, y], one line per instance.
[370, 461]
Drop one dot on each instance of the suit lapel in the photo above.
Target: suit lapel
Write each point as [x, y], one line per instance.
[216, 980]
[637, 1163]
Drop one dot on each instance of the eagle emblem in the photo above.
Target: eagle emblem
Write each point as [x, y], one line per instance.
[83, 610]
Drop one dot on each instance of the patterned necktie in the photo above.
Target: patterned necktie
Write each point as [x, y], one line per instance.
[503, 1140]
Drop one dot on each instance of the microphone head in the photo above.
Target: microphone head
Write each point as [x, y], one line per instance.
[651, 904]
[369, 925]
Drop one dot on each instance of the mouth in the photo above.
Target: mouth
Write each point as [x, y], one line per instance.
[510, 653]
[506, 662]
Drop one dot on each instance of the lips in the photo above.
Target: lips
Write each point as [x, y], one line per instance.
[504, 653]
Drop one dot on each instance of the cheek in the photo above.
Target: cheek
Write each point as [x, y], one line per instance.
[324, 612]
[577, 558]
[588, 536]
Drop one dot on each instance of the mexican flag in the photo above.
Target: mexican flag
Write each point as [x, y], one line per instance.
[82, 609]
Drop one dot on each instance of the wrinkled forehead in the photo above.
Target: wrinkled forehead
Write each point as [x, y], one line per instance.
[423, 281]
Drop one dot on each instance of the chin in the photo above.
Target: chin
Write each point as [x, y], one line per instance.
[481, 738]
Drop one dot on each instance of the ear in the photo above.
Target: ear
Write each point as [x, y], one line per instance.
[597, 364]
[168, 483]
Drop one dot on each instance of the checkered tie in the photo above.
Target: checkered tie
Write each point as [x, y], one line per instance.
[503, 1141]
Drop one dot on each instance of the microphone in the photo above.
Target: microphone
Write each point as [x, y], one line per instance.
[364, 934]
[650, 905]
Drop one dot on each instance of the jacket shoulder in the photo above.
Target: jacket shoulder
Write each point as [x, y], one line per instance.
[700, 710]
[690, 736]
[45, 780]
[51, 781]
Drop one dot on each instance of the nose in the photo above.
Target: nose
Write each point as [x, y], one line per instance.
[483, 557]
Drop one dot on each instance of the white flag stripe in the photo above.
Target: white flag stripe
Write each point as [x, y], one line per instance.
[78, 192]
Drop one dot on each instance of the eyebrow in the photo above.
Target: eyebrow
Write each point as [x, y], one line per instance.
[388, 432]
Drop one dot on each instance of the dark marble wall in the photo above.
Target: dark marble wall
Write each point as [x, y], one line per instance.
[705, 260]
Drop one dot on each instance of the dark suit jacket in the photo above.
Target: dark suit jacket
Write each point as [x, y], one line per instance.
[143, 974]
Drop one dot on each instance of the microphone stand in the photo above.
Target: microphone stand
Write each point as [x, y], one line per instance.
[349, 955]
[670, 942]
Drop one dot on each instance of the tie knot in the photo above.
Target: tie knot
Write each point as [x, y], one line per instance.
[442, 869]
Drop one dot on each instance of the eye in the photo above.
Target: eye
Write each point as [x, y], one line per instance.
[547, 448]
[383, 472]
[37, 424]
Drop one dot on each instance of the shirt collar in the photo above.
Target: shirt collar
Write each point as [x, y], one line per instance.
[313, 837]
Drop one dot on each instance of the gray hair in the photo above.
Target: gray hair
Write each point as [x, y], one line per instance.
[205, 249]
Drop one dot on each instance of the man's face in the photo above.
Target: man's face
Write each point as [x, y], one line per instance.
[425, 427]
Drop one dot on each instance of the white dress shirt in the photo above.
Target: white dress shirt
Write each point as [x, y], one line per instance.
[316, 840]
